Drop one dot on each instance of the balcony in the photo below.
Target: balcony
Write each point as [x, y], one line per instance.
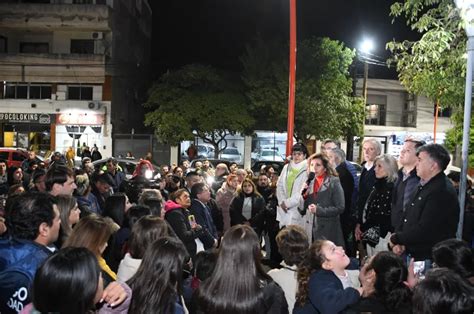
[52, 68]
[28, 16]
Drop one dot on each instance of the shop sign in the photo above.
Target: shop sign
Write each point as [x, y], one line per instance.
[80, 119]
[41, 118]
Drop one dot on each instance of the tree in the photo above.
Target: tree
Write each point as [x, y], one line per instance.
[434, 65]
[197, 100]
[324, 105]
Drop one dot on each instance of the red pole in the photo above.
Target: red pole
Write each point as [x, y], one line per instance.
[435, 121]
[291, 94]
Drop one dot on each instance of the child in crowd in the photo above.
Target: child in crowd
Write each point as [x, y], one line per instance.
[292, 244]
[324, 286]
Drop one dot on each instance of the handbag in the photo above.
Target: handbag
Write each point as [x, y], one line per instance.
[372, 236]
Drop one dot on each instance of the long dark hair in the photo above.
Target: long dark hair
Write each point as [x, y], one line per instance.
[389, 285]
[312, 262]
[67, 282]
[158, 281]
[236, 284]
[115, 208]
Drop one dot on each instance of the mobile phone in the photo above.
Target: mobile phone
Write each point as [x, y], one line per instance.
[192, 221]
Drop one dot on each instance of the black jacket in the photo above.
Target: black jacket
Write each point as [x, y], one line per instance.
[178, 218]
[379, 205]
[347, 183]
[402, 193]
[431, 216]
[257, 216]
[366, 182]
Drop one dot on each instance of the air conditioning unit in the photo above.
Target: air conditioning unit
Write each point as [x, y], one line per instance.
[97, 35]
[94, 105]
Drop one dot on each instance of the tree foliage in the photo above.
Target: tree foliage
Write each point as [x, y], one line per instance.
[454, 135]
[197, 100]
[434, 65]
[324, 106]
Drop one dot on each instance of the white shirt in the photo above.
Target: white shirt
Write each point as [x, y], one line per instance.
[286, 278]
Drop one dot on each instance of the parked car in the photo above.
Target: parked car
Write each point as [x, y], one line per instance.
[231, 154]
[127, 165]
[205, 151]
[269, 155]
[15, 156]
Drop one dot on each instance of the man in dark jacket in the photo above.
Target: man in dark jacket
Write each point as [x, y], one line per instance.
[407, 181]
[371, 148]
[432, 214]
[33, 224]
[200, 195]
[337, 158]
[115, 174]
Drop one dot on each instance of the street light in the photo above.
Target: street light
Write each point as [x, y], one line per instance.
[366, 47]
[467, 13]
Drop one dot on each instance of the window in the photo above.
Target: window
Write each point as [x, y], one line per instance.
[83, 46]
[18, 157]
[4, 155]
[375, 114]
[3, 44]
[40, 92]
[79, 92]
[34, 47]
[28, 91]
[442, 112]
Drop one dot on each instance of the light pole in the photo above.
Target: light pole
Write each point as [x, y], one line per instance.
[366, 47]
[467, 13]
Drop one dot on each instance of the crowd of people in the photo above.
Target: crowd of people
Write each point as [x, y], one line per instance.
[315, 238]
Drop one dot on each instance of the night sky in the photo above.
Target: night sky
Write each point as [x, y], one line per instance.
[216, 31]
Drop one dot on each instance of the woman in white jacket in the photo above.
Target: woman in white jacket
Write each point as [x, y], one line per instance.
[289, 187]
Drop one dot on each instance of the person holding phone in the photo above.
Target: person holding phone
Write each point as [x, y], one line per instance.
[178, 216]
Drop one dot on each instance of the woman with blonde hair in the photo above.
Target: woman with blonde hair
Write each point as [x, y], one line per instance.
[224, 197]
[322, 201]
[248, 207]
[93, 232]
[377, 226]
[69, 212]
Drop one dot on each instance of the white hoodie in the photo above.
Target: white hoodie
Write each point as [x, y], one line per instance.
[127, 268]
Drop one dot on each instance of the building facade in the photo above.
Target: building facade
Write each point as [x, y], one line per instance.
[393, 114]
[72, 72]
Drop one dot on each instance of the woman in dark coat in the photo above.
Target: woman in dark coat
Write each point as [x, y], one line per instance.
[323, 202]
[377, 226]
[178, 216]
[248, 207]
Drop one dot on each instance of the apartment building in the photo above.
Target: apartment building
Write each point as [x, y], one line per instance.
[392, 114]
[72, 72]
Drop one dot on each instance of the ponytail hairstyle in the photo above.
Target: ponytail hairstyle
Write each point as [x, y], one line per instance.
[312, 262]
[390, 275]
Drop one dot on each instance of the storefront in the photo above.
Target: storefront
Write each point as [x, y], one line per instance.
[27, 130]
[74, 129]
